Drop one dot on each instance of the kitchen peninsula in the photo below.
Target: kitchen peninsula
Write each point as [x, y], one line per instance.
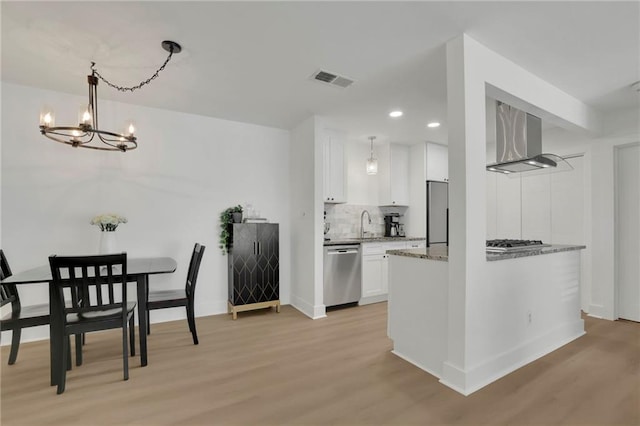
[529, 306]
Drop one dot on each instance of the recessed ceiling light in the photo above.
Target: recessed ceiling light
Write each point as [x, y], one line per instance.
[395, 114]
[433, 124]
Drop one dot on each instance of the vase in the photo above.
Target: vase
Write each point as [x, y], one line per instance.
[108, 242]
[236, 217]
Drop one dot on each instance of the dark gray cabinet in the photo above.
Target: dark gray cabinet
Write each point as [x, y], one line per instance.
[253, 267]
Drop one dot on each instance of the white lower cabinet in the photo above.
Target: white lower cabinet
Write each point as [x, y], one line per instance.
[375, 281]
[375, 268]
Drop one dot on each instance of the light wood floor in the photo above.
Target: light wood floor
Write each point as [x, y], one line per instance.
[272, 369]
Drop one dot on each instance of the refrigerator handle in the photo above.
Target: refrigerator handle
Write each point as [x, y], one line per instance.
[428, 208]
[447, 239]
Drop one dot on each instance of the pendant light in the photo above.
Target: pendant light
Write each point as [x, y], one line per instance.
[87, 134]
[372, 163]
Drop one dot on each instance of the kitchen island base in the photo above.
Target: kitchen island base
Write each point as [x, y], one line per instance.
[525, 308]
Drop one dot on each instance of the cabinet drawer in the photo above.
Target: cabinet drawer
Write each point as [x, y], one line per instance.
[416, 244]
[382, 247]
[400, 245]
[369, 249]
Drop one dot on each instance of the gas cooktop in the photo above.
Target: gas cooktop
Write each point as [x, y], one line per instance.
[507, 245]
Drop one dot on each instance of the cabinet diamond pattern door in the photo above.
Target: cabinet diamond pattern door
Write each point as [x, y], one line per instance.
[254, 278]
[268, 280]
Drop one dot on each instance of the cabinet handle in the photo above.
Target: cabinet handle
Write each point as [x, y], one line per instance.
[254, 247]
[258, 247]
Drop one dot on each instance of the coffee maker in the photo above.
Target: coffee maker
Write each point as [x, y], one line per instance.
[392, 225]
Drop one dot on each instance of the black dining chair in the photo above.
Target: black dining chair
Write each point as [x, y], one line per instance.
[20, 316]
[97, 286]
[180, 297]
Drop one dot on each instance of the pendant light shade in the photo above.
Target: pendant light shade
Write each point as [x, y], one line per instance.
[372, 163]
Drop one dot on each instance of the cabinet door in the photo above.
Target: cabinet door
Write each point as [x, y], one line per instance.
[337, 170]
[437, 162]
[393, 172]
[326, 169]
[399, 175]
[384, 275]
[267, 267]
[373, 272]
[334, 168]
[243, 264]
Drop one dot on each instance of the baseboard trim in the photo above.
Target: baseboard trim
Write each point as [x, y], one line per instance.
[313, 312]
[417, 364]
[373, 299]
[598, 311]
[470, 380]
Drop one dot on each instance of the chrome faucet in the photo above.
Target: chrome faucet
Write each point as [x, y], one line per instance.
[362, 222]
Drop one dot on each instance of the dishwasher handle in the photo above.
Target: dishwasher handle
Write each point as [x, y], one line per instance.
[342, 251]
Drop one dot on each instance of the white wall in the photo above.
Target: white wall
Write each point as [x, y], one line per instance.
[474, 72]
[186, 170]
[306, 217]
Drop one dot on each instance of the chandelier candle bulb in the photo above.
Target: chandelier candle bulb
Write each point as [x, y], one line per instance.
[47, 118]
[85, 117]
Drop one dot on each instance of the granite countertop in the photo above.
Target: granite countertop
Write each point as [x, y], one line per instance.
[370, 240]
[442, 252]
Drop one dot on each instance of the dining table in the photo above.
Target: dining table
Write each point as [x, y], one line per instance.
[138, 271]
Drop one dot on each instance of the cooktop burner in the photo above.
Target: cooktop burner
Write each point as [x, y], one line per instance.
[506, 245]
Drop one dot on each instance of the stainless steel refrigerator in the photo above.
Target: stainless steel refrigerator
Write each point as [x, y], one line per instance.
[437, 213]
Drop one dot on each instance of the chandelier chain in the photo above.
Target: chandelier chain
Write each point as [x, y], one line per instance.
[143, 83]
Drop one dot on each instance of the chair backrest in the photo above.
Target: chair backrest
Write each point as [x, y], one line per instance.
[95, 283]
[8, 292]
[5, 270]
[194, 267]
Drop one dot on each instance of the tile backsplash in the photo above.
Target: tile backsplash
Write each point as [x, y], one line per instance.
[344, 220]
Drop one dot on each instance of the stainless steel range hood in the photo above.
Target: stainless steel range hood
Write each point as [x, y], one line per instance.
[519, 142]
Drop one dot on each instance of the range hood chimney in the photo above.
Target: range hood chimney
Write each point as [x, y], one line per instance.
[519, 142]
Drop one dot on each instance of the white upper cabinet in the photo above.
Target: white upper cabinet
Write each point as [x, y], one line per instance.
[393, 172]
[437, 162]
[334, 175]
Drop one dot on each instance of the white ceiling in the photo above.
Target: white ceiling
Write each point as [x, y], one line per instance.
[251, 61]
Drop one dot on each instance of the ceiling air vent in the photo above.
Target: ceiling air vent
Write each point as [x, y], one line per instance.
[332, 79]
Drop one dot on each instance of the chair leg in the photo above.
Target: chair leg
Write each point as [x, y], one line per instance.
[79, 343]
[62, 371]
[15, 345]
[132, 335]
[148, 322]
[68, 360]
[192, 322]
[125, 351]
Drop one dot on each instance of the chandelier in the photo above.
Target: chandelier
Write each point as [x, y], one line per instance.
[372, 163]
[87, 134]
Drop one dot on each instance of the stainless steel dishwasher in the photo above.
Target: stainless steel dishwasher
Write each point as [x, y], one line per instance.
[342, 274]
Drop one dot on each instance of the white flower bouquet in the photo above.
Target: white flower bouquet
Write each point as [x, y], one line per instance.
[108, 222]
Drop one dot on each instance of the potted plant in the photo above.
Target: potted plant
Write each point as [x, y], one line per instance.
[227, 218]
